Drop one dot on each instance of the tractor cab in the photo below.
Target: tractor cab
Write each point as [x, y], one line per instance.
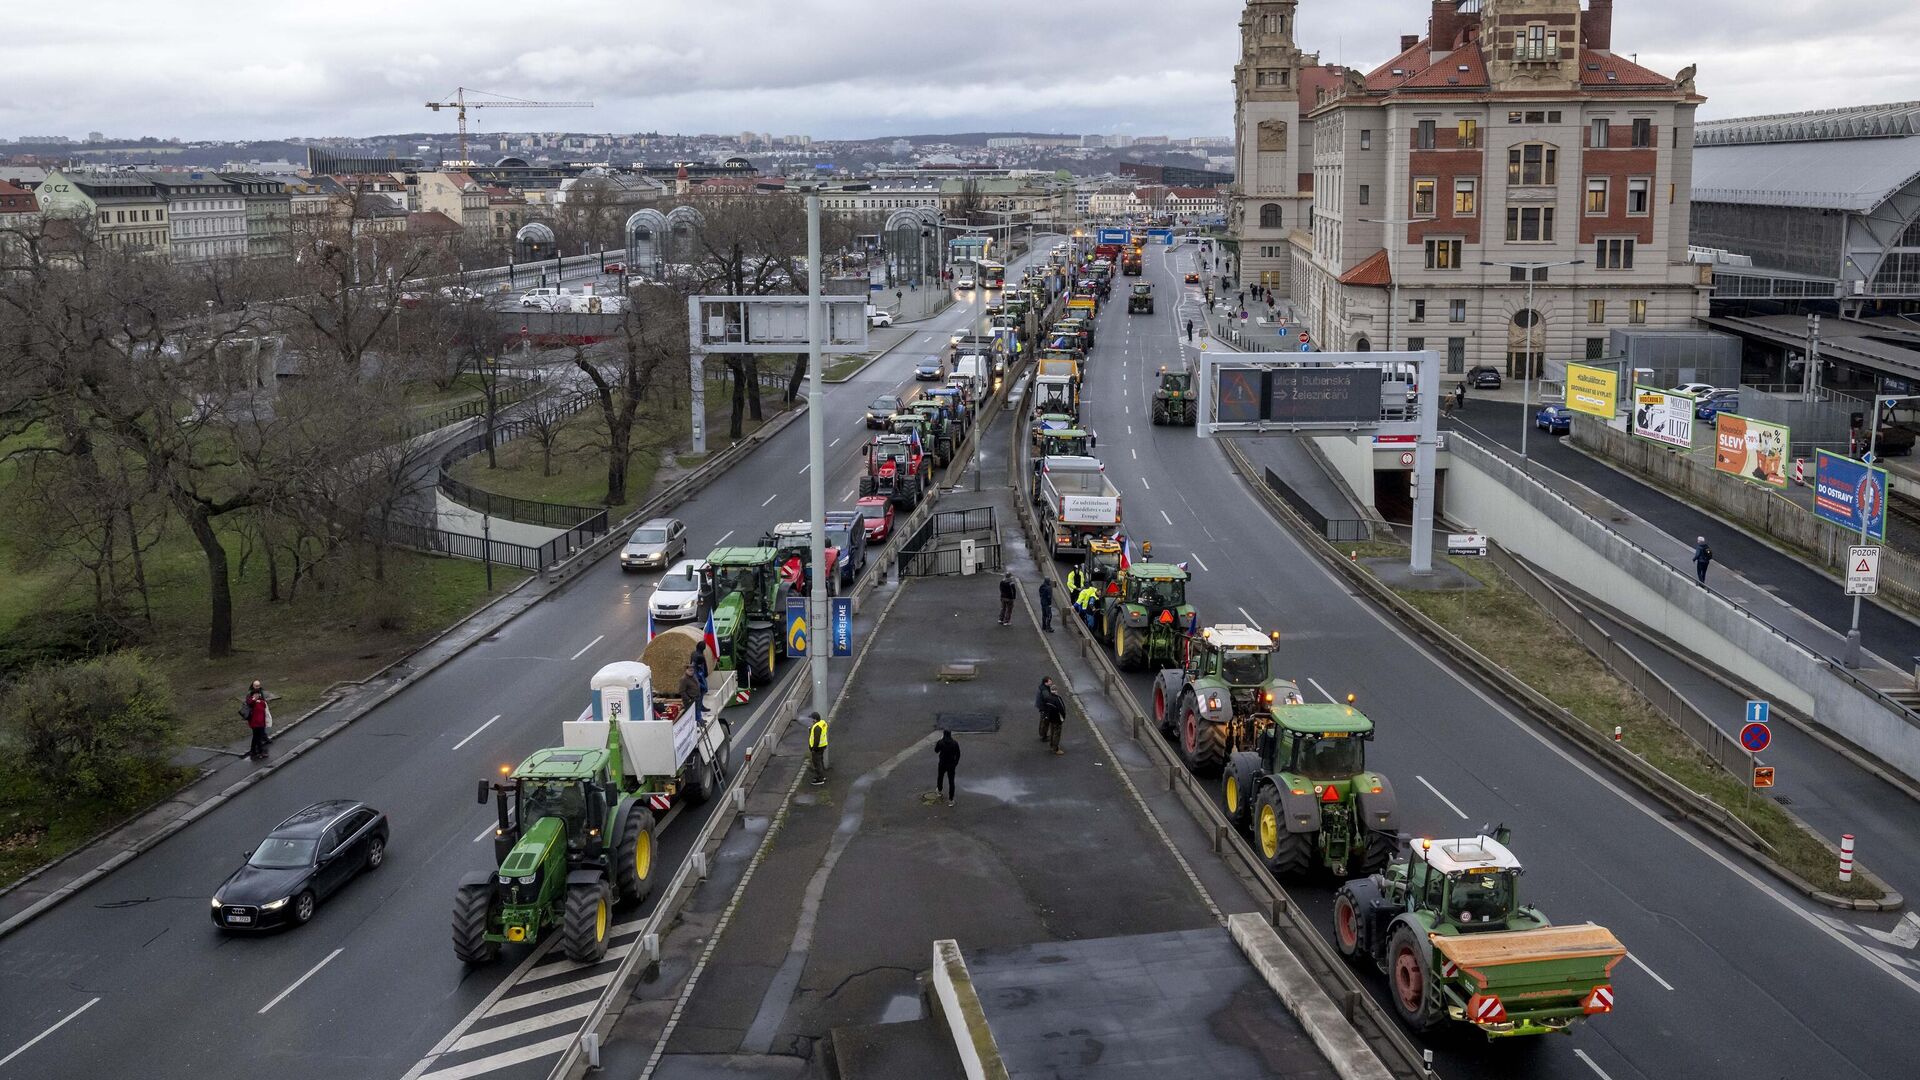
[1239, 660]
[792, 544]
[1102, 566]
[1469, 885]
[1323, 744]
[1176, 383]
[1145, 617]
[1065, 442]
[750, 573]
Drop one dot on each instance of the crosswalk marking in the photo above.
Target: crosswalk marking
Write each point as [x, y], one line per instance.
[516, 1002]
[522, 1027]
[502, 1060]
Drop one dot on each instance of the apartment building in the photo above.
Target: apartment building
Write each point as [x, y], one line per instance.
[127, 212]
[1508, 147]
[207, 215]
[269, 210]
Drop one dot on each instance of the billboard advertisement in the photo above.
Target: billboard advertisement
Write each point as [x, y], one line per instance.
[1846, 491]
[1594, 391]
[1663, 416]
[1751, 449]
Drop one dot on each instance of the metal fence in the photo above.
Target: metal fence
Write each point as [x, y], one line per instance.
[1338, 530]
[461, 546]
[935, 548]
[507, 507]
[465, 410]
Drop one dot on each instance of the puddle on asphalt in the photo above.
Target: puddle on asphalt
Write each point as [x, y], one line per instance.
[900, 1010]
[1007, 789]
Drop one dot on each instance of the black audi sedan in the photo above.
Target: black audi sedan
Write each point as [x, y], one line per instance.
[305, 858]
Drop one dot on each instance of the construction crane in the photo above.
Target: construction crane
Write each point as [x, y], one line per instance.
[461, 104]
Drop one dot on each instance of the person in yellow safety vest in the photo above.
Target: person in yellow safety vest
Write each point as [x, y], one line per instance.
[1073, 582]
[817, 748]
[1084, 601]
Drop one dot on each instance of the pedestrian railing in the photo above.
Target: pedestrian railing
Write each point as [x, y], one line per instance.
[1338, 530]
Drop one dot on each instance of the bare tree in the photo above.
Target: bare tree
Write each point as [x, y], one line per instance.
[650, 343]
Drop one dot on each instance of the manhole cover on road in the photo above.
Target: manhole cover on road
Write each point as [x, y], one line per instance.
[967, 721]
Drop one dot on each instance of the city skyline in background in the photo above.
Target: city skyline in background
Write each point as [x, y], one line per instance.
[820, 67]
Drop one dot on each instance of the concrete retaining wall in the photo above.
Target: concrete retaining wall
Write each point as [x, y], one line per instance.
[1536, 524]
[1351, 458]
[1757, 508]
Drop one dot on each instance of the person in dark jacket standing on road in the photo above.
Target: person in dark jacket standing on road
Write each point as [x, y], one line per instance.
[691, 694]
[1040, 703]
[1053, 712]
[1189, 331]
[1046, 604]
[948, 753]
[1702, 555]
[1007, 593]
[253, 709]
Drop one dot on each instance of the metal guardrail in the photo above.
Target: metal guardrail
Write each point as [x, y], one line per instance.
[1333, 975]
[925, 555]
[461, 546]
[1338, 530]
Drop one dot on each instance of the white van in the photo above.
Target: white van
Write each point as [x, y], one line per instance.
[977, 371]
[547, 299]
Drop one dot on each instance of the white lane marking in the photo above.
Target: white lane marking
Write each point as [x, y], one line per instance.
[57, 1025]
[833, 444]
[486, 832]
[482, 1066]
[1129, 429]
[587, 646]
[804, 468]
[1163, 515]
[723, 539]
[1201, 561]
[851, 492]
[1450, 806]
[311, 972]
[1311, 681]
[1650, 972]
[1136, 457]
[476, 731]
[558, 964]
[1251, 621]
[514, 1002]
[1582, 1055]
[771, 497]
[1149, 487]
[524, 1027]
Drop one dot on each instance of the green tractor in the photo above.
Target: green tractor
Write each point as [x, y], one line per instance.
[1446, 925]
[749, 601]
[576, 831]
[1146, 618]
[1140, 300]
[1222, 695]
[1306, 796]
[1173, 399]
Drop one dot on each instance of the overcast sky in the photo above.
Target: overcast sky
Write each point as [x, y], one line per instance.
[826, 68]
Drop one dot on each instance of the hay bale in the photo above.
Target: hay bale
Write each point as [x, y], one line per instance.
[668, 654]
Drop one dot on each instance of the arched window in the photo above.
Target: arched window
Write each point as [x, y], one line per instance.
[1270, 216]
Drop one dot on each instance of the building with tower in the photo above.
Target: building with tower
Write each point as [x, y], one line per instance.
[1507, 191]
[1273, 174]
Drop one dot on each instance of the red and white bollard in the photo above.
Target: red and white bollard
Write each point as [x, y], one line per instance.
[1616, 733]
[1846, 857]
[1800, 471]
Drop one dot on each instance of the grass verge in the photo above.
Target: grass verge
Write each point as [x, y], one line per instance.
[1506, 626]
[35, 831]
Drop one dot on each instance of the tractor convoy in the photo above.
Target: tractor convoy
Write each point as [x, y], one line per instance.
[1440, 918]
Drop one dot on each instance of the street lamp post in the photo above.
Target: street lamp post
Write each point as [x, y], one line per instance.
[818, 640]
[1533, 315]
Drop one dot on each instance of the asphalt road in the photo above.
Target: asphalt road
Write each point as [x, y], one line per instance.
[130, 977]
[1730, 976]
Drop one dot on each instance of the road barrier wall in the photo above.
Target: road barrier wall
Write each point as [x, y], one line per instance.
[1535, 522]
[1755, 507]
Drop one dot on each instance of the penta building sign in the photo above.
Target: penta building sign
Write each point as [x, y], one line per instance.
[1343, 398]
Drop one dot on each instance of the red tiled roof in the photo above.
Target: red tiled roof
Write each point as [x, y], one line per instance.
[10, 189]
[431, 221]
[1315, 79]
[1626, 73]
[1408, 63]
[1418, 70]
[1192, 193]
[1372, 270]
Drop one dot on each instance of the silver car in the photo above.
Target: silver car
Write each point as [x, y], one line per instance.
[680, 594]
[657, 542]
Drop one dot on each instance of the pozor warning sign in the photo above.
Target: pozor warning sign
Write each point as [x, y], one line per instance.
[1863, 571]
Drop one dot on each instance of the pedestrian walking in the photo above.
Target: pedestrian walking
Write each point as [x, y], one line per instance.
[817, 748]
[1189, 331]
[1007, 594]
[692, 694]
[1460, 395]
[1053, 708]
[1046, 605]
[1702, 555]
[259, 718]
[1040, 703]
[947, 753]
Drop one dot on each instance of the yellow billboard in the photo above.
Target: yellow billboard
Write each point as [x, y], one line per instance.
[1594, 391]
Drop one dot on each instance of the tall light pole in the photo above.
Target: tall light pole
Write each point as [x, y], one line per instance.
[1526, 384]
[1851, 657]
[819, 640]
[1393, 274]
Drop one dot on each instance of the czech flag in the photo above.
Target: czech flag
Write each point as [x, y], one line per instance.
[1180, 566]
[1126, 553]
[707, 637]
[1193, 623]
[650, 630]
[913, 439]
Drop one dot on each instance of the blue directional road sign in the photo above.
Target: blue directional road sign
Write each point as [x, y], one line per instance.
[797, 632]
[842, 624]
[1756, 735]
[1759, 712]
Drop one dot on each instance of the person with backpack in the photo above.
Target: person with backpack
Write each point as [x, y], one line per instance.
[1702, 556]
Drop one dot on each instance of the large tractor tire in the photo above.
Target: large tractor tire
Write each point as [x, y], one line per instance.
[760, 658]
[589, 917]
[1409, 980]
[1374, 855]
[867, 486]
[1129, 647]
[1346, 922]
[1237, 787]
[1163, 714]
[472, 912]
[1286, 854]
[1203, 743]
[910, 492]
[1188, 413]
[1159, 413]
[634, 853]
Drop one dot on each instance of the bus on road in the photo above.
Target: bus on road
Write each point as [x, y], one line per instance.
[992, 275]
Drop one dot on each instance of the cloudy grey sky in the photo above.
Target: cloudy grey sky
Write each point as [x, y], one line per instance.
[828, 68]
